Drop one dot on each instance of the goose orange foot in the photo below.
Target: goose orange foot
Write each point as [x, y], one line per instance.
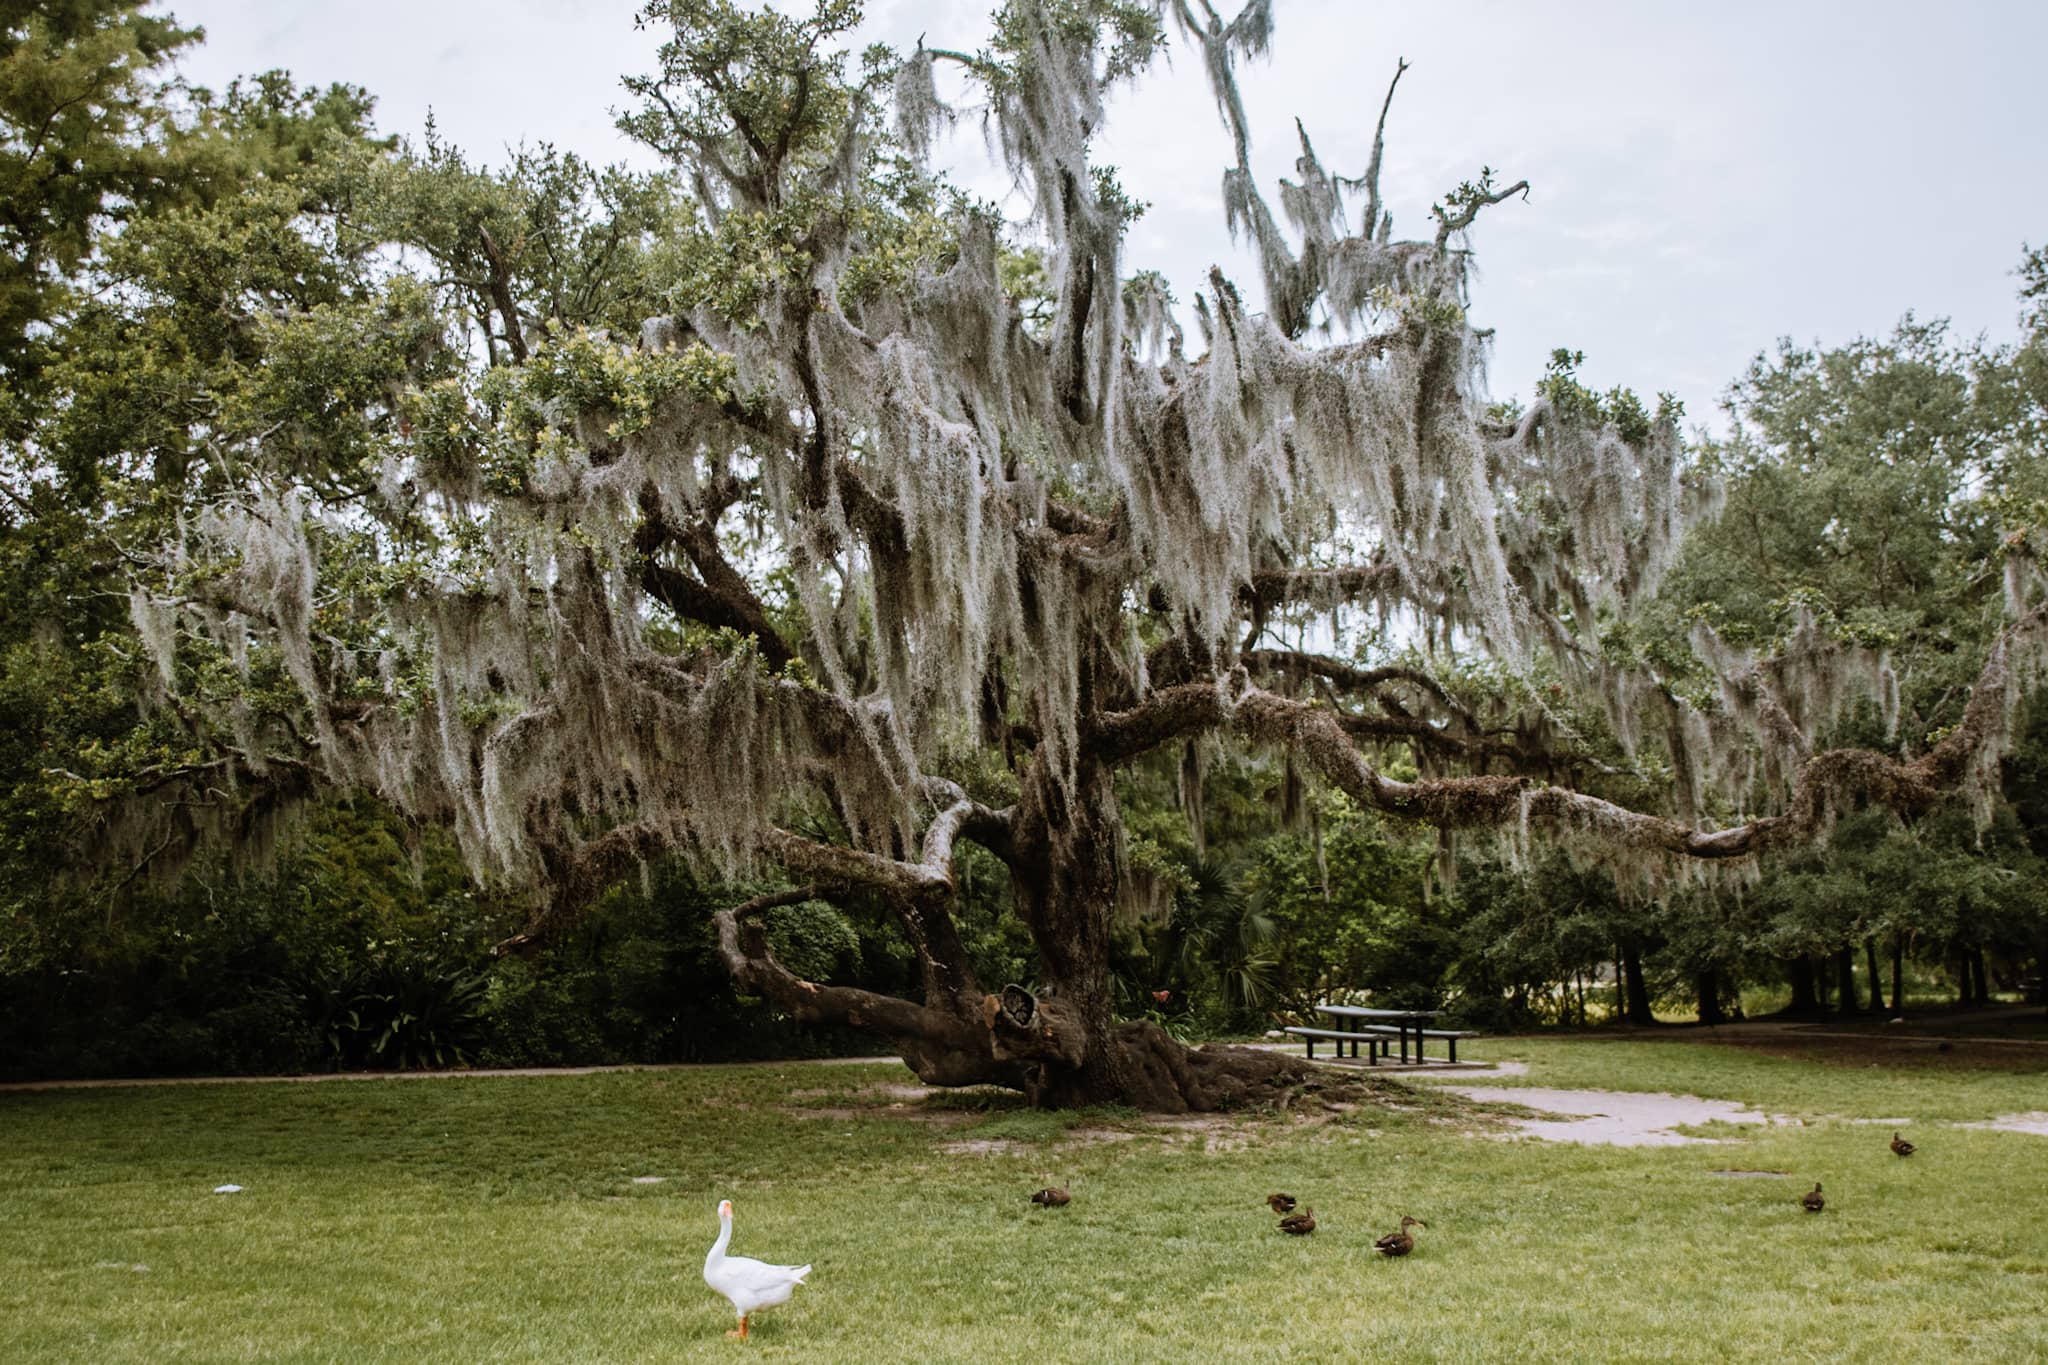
[739, 1333]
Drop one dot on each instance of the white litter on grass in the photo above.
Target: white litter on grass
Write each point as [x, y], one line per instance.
[2035, 1121]
[1615, 1118]
[138, 1267]
[648, 1179]
[227, 1189]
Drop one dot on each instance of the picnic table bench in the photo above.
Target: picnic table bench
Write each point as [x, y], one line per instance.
[1389, 1026]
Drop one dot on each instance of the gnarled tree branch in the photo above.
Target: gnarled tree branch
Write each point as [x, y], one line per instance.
[942, 1044]
[1834, 780]
[1448, 223]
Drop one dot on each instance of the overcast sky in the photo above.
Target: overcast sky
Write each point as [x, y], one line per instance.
[1707, 177]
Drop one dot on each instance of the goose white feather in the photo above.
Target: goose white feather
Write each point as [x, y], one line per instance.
[747, 1283]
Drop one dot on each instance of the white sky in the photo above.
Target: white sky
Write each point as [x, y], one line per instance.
[1707, 177]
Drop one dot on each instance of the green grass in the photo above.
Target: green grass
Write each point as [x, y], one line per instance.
[497, 1219]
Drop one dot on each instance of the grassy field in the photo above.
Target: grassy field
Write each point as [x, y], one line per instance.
[495, 1218]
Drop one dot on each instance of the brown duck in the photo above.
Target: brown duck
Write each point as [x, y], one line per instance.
[1052, 1197]
[1812, 1201]
[1299, 1224]
[1901, 1147]
[1280, 1203]
[1402, 1242]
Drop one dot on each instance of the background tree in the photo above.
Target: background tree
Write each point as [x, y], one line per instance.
[237, 290]
[143, 363]
[85, 132]
[1874, 485]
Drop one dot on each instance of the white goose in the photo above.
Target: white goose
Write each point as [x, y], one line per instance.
[748, 1283]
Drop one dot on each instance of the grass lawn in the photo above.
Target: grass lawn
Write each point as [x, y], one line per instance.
[495, 1218]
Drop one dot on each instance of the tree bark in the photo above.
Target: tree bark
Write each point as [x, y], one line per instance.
[1805, 999]
[499, 285]
[1707, 986]
[1067, 876]
[1637, 989]
[943, 1040]
[1980, 979]
[1876, 978]
[1060, 1043]
[1845, 980]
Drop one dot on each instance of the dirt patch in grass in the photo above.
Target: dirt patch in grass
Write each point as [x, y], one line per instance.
[1001, 1122]
[902, 1093]
[881, 1092]
[983, 1147]
[1198, 1123]
[906, 1100]
[906, 1110]
[1221, 1134]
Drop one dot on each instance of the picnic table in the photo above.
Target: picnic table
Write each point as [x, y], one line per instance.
[1375, 1028]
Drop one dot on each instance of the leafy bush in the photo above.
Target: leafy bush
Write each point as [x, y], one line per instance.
[815, 941]
[399, 1008]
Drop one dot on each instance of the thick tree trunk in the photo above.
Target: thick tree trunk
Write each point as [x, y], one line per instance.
[1061, 1044]
[1805, 996]
[1637, 989]
[1876, 977]
[1845, 980]
[1707, 987]
[1067, 879]
[1980, 979]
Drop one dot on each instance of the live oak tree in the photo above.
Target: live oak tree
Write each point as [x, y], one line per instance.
[898, 525]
